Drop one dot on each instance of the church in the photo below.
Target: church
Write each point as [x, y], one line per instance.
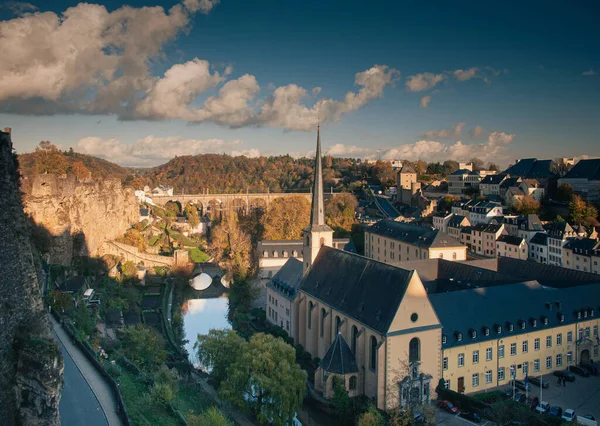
[392, 332]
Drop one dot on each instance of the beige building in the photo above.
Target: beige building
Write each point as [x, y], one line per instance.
[582, 254]
[513, 247]
[455, 226]
[281, 294]
[391, 242]
[484, 237]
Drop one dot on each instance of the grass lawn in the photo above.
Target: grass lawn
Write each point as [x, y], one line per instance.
[197, 255]
[182, 239]
[191, 398]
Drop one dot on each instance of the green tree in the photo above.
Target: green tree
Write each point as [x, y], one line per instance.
[217, 350]
[527, 205]
[564, 192]
[341, 402]
[477, 163]
[450, 166]
[285, 218]
[340, 213]
[191, 213]
[60, 301]
[134, 237]
[231, 247]
[161, 394]
[266, 378]
[174, 207]
[169, 377]
[582, 212]
[493, 167]
[85, 321]
[435, 169]
[129, 270]
[144, 346]
[372, 417]
[49, 159]
[211, 417]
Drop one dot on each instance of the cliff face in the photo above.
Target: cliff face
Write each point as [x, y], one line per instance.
[79, 216]
[30, 362]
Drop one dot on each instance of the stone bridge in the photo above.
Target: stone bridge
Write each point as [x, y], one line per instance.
[240, 203]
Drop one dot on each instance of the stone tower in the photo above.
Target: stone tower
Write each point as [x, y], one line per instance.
[317, 233]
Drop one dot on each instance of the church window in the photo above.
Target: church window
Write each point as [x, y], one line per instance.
[414, 350]
[275, 254]
[311, 306]
[338, 324]
[414, 317]
[265, 253]
[295, 253]
[323, 315]
[307, 241]
[352, 384]
[373, 359]
[354, 339]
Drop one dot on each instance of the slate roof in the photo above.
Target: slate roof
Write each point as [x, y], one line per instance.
[417, 235]
[511, 181]
[531, 168]
[541, 238]
[510, 239]
[559, 229]
[530, 222]
[515, 190]
[532, 183]
[493, 179]
[362, 288]
[583, 246]
[408, 169]
[517, 304]
[585, 169]
[288, 278]
[547, 275]
[339, 358]
[73, 284]
[460, 172]
[456, 221]
[290, 245]
[487, 227]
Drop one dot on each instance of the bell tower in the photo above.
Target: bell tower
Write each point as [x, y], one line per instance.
[317, 233]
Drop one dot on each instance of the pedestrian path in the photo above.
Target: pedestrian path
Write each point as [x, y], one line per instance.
[94, 379]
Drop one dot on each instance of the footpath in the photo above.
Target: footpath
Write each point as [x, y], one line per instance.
[93, 378]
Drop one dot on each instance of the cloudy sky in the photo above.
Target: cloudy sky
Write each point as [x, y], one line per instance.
[141, 82]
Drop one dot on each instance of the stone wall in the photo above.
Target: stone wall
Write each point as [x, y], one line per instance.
[79, 216]
[30, 363]
[131, 253]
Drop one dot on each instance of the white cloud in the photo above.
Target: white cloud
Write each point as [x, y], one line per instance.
[152, 150]
[589, 72]
[425, 101]
[341, 150]
[451, 133]
[203, 6]
[463, 75]
[19, 8]
[476, 132]
[423, 81]
[315, 91]
[251, 152]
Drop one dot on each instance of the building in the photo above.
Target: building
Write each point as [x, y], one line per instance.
[466, 166]
[513, 247]
[440, 221]
[584, 177]
[456, 224]
[162, 190]
[391, 242]
[582, 254]
[558, 234]
[406, 184]
[533, 188]
[483, 238]
[524, 226]
[538, 248]
[483, 212]
[513, 195]
[396, 164]
[282, 290]
[490, 185]
[459, 181]
[532, 168]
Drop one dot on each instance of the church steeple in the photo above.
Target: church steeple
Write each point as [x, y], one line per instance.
[317, 233]
[317, 214]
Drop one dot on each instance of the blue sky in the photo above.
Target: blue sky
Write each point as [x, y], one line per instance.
[527, 76]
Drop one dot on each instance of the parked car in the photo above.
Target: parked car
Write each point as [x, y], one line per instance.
[579, 370]
[447, 406]
[532, 401]
[470, 415]
[555, 411]
[592, 368]
[565, 374]
[519, 384]
[520, 397]
[569, 415]
[587, 420]
[539, 381]
[542, 407]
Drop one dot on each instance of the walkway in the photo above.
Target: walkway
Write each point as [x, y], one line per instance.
[95, 382]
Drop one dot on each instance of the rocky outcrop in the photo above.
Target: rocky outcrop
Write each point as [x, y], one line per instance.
[78, 217]
[30, 362]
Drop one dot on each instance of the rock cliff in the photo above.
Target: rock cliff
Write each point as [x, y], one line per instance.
[31, 365]
[78, 216]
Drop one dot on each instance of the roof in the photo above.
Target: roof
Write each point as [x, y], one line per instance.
[547, 275]
[530, 222]
[144, 212]
[531, 168]
[339, 358]
[515, 190]
[417, 235]
[532, 183]
[298, 245]
[493, 179]
[585, 169]
[583, 245]
[408, 169]
[511, 181]
[456, 221]
[487, 227]
[73, 284]
[517, 304]
[510, 239]
[541, 238]
[559, 229]
[317, 212]
[461, 172]
[288, 278]
[354, 285]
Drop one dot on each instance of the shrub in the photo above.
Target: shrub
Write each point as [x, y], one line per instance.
[161, 394]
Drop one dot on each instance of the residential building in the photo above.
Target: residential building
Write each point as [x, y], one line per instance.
[513, 247]
[538, 248]
[513, 195]
[582, 254]
[391, 242]
[524, 226]
[533, 188]
[466, 166]
[532, 168]
[483, 212]
[407, 185]
[466, 235]
[584, 177]
[458, 181]
[490, 185]
[456, 224]
[483, 238]
[162, 190]
[281, 294]
[440, 221]
[558, 234]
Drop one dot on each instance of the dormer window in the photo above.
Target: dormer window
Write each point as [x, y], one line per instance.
[533, 322]
[459, 336]
[561, 317]
[591, 312]
[499, 329]
[585, 313]
[473, 334]
[511, 327]
[522, 324]
[579, 315]
[443, 339]
[486, 331]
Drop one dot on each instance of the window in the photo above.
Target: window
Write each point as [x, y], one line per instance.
[569, 357]
[414, 350]
[373, 358]
[499, 329]
[475, 380]
[443, 340]
[580, 333]
[548, 362]
[473, 334]
[511, 327]
[596, 351]
[513, 349]
[475, 357]
[461, 360]
[501, 351]
[287, 312]
[323, 316]
[525, 346]
[595, 331]
[569, 337]
[445, 364]
[354, 339]
[459, 336]
[536, 344]
[488, 376]
[287, 325]
[536, 365]
[486, 331]
[352, 384]
[338, 324]
[447, 384]
[587, 332]
[558, 360]
[501, 373]
[525, 368]
[488, 354]
[311, 305]
[559, 339]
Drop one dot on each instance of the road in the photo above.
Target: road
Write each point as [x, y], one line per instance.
[386, 207]
[78, 405]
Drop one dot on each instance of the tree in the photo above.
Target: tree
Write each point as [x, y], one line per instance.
[559, 167]
[191, 213]
[174, 207]
[341, 401]
[49, 159]
[565, 192]
[477, 163]
[372, 417]
[435, 169]
[128, 270]
[285, 218]
[231, 247]
[493, 167]
[144, 346]
[80, 171]
[450, 166]
[217, 350]
[527, 205]
[134, 237]
[266, 378]
[211, 417]
[60, 301]
[383, 173]
[340, 213]
[581, 212]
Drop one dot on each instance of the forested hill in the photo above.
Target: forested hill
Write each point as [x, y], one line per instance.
[226, 174]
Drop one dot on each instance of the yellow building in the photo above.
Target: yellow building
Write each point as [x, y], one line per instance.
[582, 254]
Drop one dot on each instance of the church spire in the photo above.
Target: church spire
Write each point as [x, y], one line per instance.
[317, 214]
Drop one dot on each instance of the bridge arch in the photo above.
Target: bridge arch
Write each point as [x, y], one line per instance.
[239, 206]
[258, 205]
[214, 208]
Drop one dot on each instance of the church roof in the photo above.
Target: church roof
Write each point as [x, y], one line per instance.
[317, 213]
[339, 359]
[362, 288]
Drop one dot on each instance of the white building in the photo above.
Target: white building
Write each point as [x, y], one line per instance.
[533, 188]
[281, 293]
[584, 177]
[538, 248]
[558, 235]
[513, 247]
[490, 185]
[440, 221]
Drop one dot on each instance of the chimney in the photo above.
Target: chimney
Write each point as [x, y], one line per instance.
[8, 130]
